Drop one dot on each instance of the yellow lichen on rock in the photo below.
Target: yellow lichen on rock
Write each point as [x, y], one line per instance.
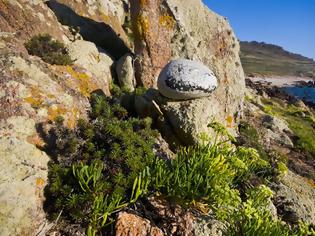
[35, 102]
[73, 117]
[229, 121]
[83, 81]
[310, 182]
[36, 99]
[55, 111]
[167, 21]
[40, 182]
[142, 25]
[105, 18]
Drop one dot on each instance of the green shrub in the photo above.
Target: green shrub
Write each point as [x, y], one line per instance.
[100, 165]
[50, 50]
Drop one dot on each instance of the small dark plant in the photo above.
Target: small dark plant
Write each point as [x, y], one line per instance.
[50, 50]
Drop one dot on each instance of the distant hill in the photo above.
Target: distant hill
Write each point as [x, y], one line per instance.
[267, 59]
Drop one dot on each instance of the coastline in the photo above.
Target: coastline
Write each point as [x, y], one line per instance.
[280, 81]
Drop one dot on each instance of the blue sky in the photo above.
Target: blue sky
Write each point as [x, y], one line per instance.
[287, 23]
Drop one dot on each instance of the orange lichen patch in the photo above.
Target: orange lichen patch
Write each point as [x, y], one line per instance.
[55, 111]
[35, 140]
[84, 83]
[73, 117]
[36, 99]
[229, 121]
[222, 46]
[167, 21]
[40, 182]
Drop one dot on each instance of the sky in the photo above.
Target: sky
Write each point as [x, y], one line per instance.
[287, 23]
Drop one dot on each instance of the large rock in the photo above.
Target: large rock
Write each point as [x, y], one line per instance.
[86, 55]
[276, 131]
[190, 118]
[32, 94]
[153, 29]
[207, 226]
[207, 37]
[184, 79]
[125, 72]
[17, 15]
[194, 32]
[294, 199]
[22, 178]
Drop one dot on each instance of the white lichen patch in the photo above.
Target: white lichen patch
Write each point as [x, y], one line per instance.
[185, 79]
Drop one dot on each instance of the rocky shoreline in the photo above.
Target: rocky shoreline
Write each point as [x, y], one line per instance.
[291, 88]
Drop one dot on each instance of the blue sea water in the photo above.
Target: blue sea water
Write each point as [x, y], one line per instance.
[303, 93]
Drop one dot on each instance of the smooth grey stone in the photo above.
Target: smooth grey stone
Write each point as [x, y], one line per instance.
[185, 79]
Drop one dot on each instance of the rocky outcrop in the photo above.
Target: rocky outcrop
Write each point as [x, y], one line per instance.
[23, 176]
[198, 34]
[277, 130]
[294, 199]
[204, 36]
[32, 94]
[97, 21]
[25, 20]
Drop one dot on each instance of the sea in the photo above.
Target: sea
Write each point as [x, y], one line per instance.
[301, 92]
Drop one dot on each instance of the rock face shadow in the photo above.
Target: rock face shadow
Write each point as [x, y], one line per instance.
[97, 32]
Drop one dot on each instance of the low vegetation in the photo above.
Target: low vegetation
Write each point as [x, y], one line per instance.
[261, 59]
[249, 137]
[97, 164]
[107, 163]
[48, 49]
[301, 122]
